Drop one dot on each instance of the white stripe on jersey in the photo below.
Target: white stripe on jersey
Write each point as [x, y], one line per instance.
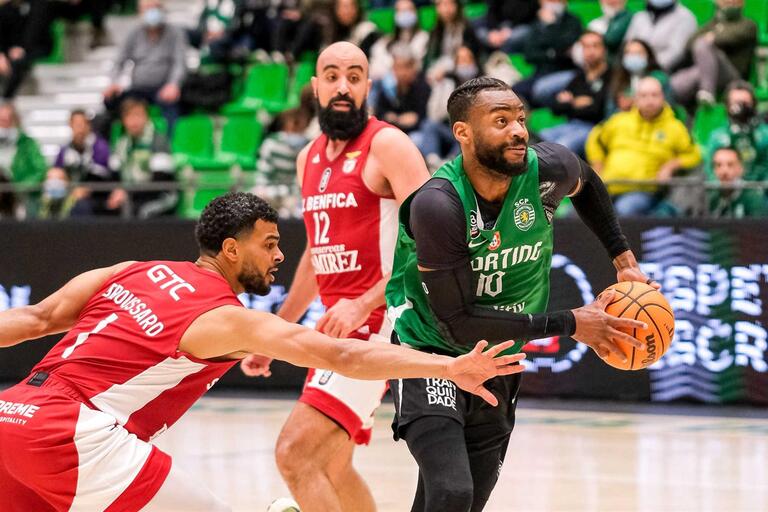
[388, 227]
[122, 400]
[109, 458]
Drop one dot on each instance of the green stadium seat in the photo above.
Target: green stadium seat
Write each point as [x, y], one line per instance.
[192, 144]
[240, 140]
[59, 36]
[585, 11]
[210, 185]
[706, 120]
[265, 88]
[427, 17]
[476, 10]
[383, 18]
[543, 118]
[302, 75]
[521, 65]
[704, 10]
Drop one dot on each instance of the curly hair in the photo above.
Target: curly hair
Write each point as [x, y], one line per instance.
[230, 216]
[463, 96]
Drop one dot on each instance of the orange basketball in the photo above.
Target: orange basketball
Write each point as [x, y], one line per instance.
[642, 302]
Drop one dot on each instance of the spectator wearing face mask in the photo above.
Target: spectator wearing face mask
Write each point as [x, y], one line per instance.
[635, 61]
[451, 32]
[666, 26]
[405, 105]
[407, 31]
[21, 162]
[157, 51]
[732, 200]
[583, 100]
[612, 25]
[507, 25]
[745, 132]
[548, 49]
[721, 51]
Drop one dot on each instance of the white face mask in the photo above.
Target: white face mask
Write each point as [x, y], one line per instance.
[556, 7]
[660, 4]
[9, 134]
[406, 19]
[154, 17]
[609, 10]
[577, 55]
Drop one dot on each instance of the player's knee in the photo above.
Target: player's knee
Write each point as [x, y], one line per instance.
[290, 456]
[449, 495]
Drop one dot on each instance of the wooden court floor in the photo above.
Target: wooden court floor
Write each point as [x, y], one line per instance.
[558, 460]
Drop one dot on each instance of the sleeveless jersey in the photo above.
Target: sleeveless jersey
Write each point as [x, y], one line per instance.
[510, 262]
[351, 230]
[123, 358]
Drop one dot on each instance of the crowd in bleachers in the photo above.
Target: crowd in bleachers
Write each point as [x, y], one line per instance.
[661, 97]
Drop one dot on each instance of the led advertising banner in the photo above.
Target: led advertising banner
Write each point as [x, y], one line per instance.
[714, 274]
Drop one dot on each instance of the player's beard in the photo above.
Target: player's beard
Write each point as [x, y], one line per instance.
[339, 125]
[492, 157]
[253, 281]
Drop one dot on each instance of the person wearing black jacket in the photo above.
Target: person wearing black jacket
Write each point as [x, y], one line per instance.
[14, 58]
[406, 106]
[548, 49]
[583, 100]
[507, 24]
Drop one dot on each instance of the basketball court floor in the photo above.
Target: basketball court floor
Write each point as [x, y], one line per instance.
[569, 458]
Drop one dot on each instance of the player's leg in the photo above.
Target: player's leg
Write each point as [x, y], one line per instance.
[352, 490]
[181, 491]
[306, 448]
[437, 444]
[485, 460]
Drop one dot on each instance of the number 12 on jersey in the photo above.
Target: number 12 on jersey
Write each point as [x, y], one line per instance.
[83, 336]
[322, 225]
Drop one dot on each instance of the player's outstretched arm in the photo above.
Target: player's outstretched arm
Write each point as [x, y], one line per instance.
[57, 312]
[234, 332]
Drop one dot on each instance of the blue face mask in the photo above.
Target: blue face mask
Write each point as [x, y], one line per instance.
[406, 19]
[154, 17]
[660, 4]
[55, 188]
[635, 64]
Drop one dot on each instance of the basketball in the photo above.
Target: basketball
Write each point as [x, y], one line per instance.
[642, 302]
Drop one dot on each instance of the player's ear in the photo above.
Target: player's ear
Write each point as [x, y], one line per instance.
[314, 86]
[230, 249]
[462, 132]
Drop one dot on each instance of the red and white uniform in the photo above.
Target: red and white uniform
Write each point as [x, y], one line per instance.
[74, 436]
[351, 232]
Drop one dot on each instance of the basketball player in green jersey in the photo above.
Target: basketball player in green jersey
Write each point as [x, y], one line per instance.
[472, 262]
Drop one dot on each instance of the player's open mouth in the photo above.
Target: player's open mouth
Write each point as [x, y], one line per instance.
[341, 105]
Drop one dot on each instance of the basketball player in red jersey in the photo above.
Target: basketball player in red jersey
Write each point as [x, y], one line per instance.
[353, 178]
[145, 341]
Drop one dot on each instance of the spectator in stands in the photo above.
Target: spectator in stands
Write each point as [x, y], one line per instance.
[289, 16]
[278, 152]
[211, 34]
[407, 31]
[548, 49]
[84, 159]
[405, 104]
[45, 12]
[666, 25]
[21, 161]
[141, 156]
[507, 24]
[14, 59]
[636, 60]
[732, 200]
[646, 143]
[721, 51]
[251, 28]
[345, 21]
[435, 137]
[451, 31]
[612, 25]
[157, 51]
[583, 100]
[744, 131]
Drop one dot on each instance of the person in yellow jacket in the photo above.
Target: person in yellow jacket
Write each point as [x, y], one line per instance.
[646, 143]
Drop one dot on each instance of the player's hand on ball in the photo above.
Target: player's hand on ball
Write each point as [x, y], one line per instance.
[344, 317]
[601, 331]
[256, 365]
[471, 370]
[634, 274]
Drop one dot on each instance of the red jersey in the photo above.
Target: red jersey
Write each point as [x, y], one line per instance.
[123, 358]
[351, 230]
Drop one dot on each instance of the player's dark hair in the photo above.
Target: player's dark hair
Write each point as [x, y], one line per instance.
[230, 216]
[464, 96]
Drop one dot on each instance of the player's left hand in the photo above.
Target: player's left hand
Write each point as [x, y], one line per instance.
[342, 318]
[471, 370]
[256, 365]
[635, 274]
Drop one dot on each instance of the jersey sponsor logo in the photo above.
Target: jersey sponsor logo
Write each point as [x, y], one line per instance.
[139, 311]
[328, 201]
[326, 177]
[474, 225]
[334, 261]
[525, 215]
[472, 244]
[512, 308]
[496, 242]
[441, 392]
[507, 258]
[162, 273]
[325, 377]
[16, 409]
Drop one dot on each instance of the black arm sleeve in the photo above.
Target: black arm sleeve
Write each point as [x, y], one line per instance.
[438, 225]
[593, 204]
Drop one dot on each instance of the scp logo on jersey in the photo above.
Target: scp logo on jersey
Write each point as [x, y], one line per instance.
[324, 179]
[525, 215]
[163, 274]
